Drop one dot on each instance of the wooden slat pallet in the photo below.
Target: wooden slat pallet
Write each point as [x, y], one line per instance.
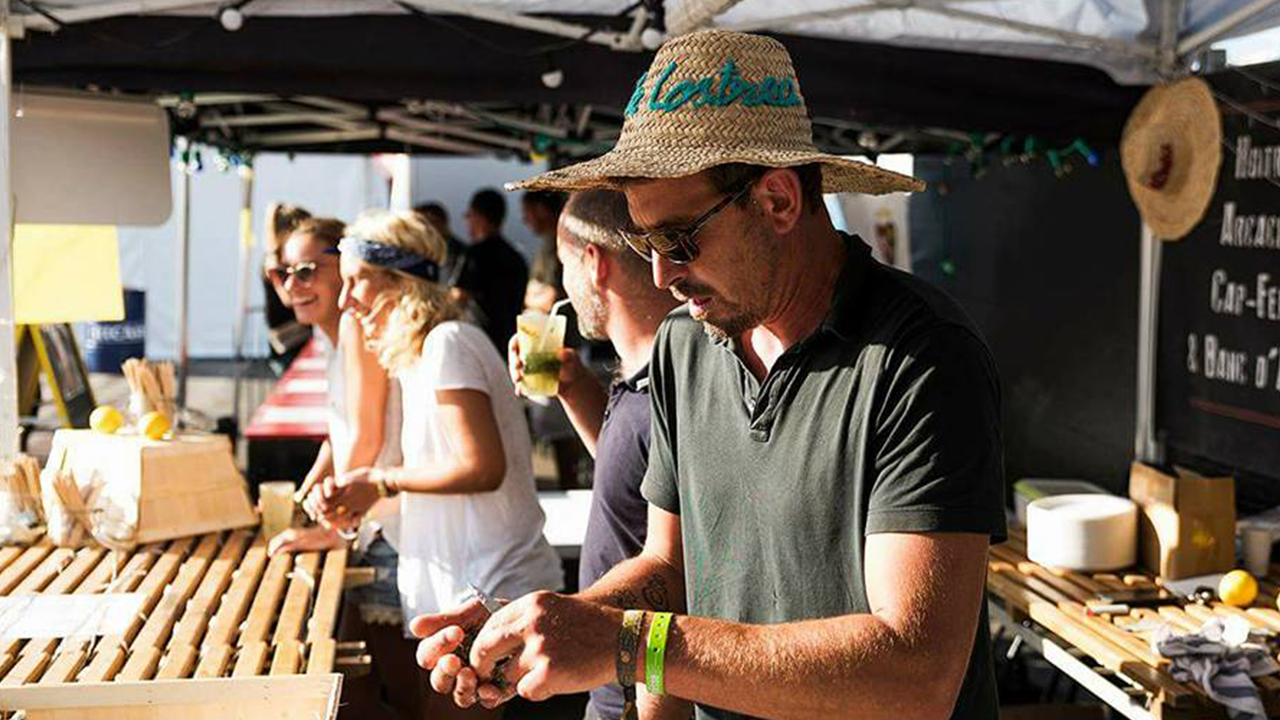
[1119, 645]
[221, 623]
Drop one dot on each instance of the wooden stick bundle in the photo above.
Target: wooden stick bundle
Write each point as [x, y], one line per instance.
[21, 479]
[152, 387]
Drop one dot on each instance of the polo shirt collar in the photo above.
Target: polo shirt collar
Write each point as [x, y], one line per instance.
[639, 382]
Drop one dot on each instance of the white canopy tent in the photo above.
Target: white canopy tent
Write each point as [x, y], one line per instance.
[1136, 42]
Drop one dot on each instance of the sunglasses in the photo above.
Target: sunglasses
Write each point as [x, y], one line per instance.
[676, 243]
[303, 273]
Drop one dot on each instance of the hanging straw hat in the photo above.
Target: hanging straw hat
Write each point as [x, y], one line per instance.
[1171, 150]
[715, 97]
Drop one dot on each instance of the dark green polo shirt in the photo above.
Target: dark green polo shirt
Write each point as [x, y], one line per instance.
[886, 419]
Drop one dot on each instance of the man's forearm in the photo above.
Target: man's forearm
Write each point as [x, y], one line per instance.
[585, 403]
[645, 583]
[642, 583]
[854, 666]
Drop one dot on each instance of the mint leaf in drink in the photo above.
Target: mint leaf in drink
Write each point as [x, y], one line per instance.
[542, 364]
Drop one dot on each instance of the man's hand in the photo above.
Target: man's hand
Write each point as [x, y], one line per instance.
[571, 368]
[553, 644]
[442, 635]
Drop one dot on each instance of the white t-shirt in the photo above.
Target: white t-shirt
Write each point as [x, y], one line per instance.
[491, 539]
[385, 516]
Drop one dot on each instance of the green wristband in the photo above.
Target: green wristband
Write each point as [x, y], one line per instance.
[656, 652]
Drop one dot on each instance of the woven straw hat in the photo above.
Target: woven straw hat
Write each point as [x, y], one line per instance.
[715, 97]
[1171, 150]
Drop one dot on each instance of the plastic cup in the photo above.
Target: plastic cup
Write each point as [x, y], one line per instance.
[539, 338]
[277, 506]
[1256, 542]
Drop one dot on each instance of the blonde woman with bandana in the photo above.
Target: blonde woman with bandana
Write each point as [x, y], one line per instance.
[469, 512]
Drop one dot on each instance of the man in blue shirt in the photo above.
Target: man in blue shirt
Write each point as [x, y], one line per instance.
[615, 300]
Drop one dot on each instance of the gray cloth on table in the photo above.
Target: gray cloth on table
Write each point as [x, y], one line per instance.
[1222, 657]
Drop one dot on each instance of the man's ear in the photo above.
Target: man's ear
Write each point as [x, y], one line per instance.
[597, 263]
[781, 199]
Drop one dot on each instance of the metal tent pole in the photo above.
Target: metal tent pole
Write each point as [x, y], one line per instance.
[184, 243]
[9, 441]
[246, 277]
[1147, 447]
[694, 14]
[1205, 36]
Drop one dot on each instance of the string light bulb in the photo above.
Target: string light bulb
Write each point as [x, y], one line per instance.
[231, 18]
[652, 38]
[553, 78]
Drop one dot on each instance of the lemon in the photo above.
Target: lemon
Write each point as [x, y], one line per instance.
[106, 419]
[154, 425]
[1238, 588]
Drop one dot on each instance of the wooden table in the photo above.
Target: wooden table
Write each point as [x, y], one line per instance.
[1111, 655]
[224, 631]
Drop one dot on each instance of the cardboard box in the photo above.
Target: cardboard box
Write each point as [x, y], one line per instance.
[163, 488]
[1186, 522]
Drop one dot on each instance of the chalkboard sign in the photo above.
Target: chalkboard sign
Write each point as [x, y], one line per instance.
[64, 370]
[1218, 377]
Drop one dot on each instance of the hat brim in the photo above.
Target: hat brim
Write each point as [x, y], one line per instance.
[610, 171]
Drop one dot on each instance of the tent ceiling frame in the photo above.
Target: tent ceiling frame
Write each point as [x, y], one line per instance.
[1121, 47]
[337, 106]
[170, 101]
[341, 121]
[623, 41]
[106, 10]
[404, 119]
[835, 13]
[1166, 54]
[628, 41]
[947, 9]
[315, 137]
[468, 130]
[272, 118]
[694, 14]
[436, 143]
[1170, 20]
[269, 122]
[1203, 37]
[477, 113]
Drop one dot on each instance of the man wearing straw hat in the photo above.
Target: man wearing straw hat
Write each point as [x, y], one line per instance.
[825, 470]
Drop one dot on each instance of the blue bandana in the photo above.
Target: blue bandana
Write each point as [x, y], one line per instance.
[390, 256]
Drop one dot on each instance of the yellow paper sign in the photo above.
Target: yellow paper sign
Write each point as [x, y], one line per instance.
[66, 273]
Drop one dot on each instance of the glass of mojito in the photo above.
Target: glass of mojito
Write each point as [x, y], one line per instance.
[540, 337]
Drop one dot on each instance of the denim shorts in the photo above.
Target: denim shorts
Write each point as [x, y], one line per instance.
[378, 601]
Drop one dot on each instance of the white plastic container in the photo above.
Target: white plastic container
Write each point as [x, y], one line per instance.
[1028, 490]
[1083, 532]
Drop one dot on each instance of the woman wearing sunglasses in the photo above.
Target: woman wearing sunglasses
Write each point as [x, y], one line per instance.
[364, 430]
[284, 333]
[469, 515]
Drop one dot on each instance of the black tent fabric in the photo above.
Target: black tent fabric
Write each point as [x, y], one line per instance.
[381, 59]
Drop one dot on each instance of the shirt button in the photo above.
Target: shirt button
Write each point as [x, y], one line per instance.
[760, 435]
